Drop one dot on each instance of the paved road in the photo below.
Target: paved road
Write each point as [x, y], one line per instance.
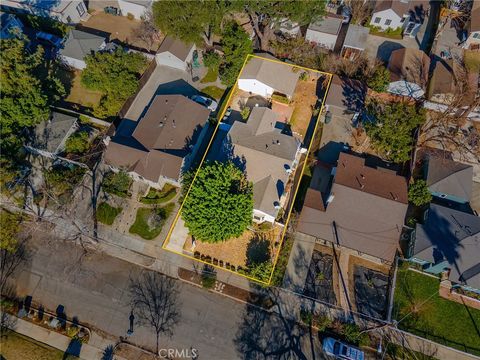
[94, 287]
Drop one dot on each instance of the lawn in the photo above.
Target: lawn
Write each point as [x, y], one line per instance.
[433, 317]
[14, 346]
[154, 196]
[210, 76]
[106, 214]
[213, 91]
[77, 93]
[472, 60]
[149, 222]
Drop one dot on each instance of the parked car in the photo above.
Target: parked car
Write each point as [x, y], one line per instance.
[342, 351]
[48, 39]
[208, 103]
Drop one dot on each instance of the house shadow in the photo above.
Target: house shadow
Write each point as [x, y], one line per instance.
[258, 251]
[386, 48]
[330, 152]
[176, 87]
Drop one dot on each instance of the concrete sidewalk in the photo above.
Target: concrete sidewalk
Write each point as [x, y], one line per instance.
[56, 340]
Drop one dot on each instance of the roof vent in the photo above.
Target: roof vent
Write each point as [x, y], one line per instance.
[173, 124]
[166, 101]
[362, 176]
[160, 124]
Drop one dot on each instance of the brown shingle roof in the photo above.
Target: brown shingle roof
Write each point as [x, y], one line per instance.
[402, 7]
[176, 47]
[411, 65]
[475, 17]
[346, 94]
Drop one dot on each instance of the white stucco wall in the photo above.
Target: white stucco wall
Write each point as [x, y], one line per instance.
[255, 87]
[74, 63]
[385, 15]
[321, 39]
[65, 11]
[471, 40]
[135, 9]
[168, 59]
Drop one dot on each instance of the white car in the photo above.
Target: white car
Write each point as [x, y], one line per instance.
[342, 351]
[208, 103]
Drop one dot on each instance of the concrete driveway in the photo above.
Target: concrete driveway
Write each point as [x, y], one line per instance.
[164, 80]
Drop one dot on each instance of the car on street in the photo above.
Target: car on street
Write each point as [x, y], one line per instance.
[340, 350]
[208, 103]
[48, 39]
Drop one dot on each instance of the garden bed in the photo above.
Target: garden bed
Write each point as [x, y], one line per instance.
[213, 91]
[155, 196]
[149, 222]
[106, 214]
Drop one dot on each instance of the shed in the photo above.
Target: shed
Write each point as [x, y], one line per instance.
[137, 8]
[355, 41]
[175, 53]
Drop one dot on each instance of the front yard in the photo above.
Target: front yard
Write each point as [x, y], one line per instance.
[149, 221]
[421, 311]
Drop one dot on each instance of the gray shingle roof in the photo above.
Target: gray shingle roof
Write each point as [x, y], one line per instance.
[266, 154]
[356, 37]
[328, 25]
[454, 236]
[175, 47]
[450, 177]
[278, 76]
[80, 43]
[50, 135]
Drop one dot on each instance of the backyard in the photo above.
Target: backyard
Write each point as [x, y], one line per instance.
[78, 95]
[420, 310]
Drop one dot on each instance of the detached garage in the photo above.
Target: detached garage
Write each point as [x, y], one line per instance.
[137, 8]
[175, 53]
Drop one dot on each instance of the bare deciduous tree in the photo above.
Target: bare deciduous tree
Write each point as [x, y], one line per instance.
[146, 31]
[360, 10]
[154, 298]
[9, 263]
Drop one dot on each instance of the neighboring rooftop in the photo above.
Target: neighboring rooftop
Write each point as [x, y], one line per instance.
[280, 77]
[443, 79]
[450, 177]
[50, 135]
[365, 210]
[402, 7]
[266, 153]
[475, 17]
[330, 24]
[346, 93]
[161, 139]
[411, 65]
[175, 47]
[80, 43]
[452, 236]
[42, 5]
[356, 36]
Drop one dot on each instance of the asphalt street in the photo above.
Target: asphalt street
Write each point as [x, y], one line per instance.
[94, 287]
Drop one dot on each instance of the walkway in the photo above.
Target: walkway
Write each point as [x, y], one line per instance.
[56, 340]
[299, 262]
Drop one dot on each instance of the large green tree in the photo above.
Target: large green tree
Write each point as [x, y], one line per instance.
[27, 89]
[219, 205]
[116, 74]
[264, 14]
[190, 21]
[236, 46]
[418, 193]
[391, 129]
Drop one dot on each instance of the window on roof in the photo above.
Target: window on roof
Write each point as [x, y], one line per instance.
[81, 9]
[377, 20]
[388, 22]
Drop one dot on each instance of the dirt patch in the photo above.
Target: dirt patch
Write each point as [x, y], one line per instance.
[304, 100]
[239, 251]
[122, 29]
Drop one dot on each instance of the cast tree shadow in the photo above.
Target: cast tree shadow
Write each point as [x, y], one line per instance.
[258, 251]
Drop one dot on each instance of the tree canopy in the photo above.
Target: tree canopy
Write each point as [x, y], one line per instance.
[391, 129]
[219, 205]
[116, 74]
[418, 193]
[190, 21]
[9, 228]
[77, 143]
[379, 79]
[26, 92]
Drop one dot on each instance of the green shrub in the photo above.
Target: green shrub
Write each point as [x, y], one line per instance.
[322, 322]
[280, 98]
[130, 16]
[149, 222]
[77, 143]
[352, 334]
[72, 331]
[208, 280]
[304, 76]
[117, 183]
[419, 194]
[211, 60]
[106, 214]
[154, 196]
[245, 113]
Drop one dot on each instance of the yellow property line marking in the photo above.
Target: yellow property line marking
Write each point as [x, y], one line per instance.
[232, 90]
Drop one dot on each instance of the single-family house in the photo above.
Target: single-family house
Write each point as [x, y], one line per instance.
[287, 27]
[175, 53]
[137, 8]
[442, 83]
[48, 137]
[345, 98]
[268, 156]
[11, 26]
[66, 11]
[355, 41]
[448, 241]
[79, 44]
[409, 69]
[406, 14]
[263, 77]
[449, 179]
[324, 32]
[163, 142]
[473, 39]
[363, 210]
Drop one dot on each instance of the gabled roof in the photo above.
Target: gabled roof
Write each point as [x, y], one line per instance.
[411, 65]
[266, 154]
[347, 94]
[443, 79]
[450, 177]
[356, 36]
[367, 219]
[452, 236]
[278, 76]
[50, 135]
[402, 7]
[161, 140]
[176, 47]
[80, 43]
[330, 24]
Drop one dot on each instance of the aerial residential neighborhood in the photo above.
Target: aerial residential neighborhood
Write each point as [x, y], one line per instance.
[240, 179]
